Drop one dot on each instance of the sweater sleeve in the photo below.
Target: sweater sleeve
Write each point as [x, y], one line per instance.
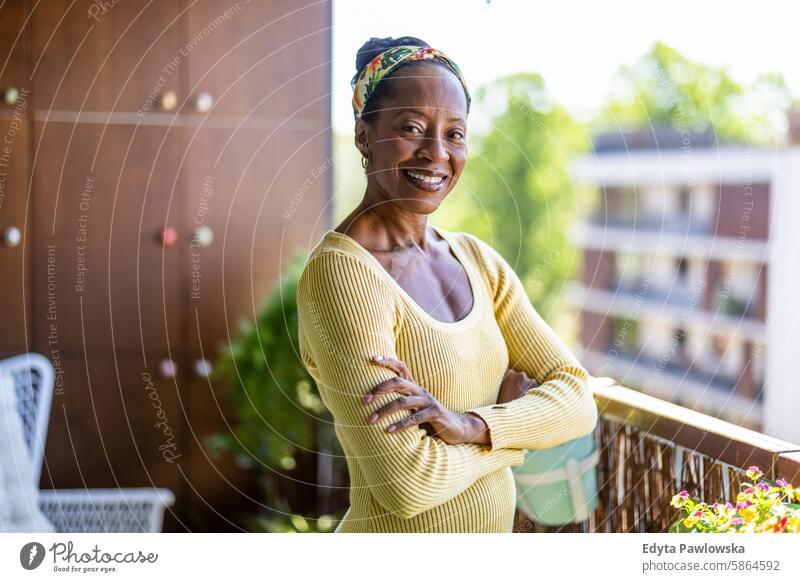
[562, 407]
[346, 315]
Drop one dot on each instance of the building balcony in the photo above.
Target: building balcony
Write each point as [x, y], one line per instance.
[629, 237]
[650, 449]
[678, 224]
[674, 309]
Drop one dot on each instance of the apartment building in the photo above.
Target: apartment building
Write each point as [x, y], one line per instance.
[689, 252]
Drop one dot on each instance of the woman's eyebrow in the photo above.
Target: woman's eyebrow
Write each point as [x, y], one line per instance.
[423, 114]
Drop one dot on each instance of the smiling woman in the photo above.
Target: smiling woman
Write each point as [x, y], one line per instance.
[432, 428]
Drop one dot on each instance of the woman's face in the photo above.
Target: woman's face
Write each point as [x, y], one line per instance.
[418, 142]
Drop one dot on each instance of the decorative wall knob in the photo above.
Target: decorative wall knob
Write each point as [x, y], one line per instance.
[12, 236]
[167, 368]
[203, 102]
[168, 101]
[203, 236]
[169, 236]
[10, 95]
[202, 368]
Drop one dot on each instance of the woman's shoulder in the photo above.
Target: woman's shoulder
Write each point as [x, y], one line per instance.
[335, 264]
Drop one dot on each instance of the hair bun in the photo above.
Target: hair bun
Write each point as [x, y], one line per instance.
[375, 46]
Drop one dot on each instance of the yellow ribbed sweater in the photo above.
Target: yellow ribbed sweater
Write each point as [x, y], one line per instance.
[350, 308]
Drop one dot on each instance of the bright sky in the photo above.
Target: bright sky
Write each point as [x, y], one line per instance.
[575, 46]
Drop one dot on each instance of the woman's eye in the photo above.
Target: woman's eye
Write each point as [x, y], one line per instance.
[411, 128]
[457, 135]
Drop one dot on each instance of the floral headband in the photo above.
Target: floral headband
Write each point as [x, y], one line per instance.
[387, 61]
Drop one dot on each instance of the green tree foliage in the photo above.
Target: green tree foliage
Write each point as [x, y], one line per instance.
[666, 88]
[516, 193]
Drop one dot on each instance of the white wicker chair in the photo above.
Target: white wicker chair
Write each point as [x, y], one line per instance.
[77, 510]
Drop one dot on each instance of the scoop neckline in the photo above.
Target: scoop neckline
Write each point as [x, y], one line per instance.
[477, 296]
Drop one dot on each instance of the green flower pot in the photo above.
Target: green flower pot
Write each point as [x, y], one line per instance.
[557, 486]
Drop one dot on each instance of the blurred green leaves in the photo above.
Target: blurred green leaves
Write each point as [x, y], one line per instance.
[275, 399]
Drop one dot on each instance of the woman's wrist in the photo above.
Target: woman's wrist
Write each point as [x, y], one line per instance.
[476, 430]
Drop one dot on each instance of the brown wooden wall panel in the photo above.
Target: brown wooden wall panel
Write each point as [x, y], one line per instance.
[262, 59]
[102, 275]
[15, 309]
[110, 169]
[92, 59]
[243, 185]
[117, 423]
[15, 282]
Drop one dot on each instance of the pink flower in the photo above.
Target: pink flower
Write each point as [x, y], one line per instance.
[684, 493]
[762, 487]
[749, 491]
[781, 483]
[698, 513]
[737, 521]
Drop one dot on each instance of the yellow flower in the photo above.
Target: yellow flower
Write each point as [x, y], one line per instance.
[753, 472]
[748, 513]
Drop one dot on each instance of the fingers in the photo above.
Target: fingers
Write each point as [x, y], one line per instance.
[395, 384]
[413, 403]
[397, 366]
[413, 419]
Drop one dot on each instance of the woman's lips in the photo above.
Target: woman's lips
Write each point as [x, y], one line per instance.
[423, 185]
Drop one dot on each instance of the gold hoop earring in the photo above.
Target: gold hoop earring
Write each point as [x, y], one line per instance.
[365, 162]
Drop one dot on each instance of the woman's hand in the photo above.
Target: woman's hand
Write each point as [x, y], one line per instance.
[515, 384]
[425, 410]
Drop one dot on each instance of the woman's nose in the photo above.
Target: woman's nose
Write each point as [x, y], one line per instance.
[434, 150]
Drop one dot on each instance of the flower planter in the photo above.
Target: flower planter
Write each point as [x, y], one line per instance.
[557, 486]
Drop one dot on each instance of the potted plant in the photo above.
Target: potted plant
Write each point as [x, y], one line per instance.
[762, 506]
[281, 424]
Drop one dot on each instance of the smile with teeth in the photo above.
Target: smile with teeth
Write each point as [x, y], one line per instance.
[433, 180]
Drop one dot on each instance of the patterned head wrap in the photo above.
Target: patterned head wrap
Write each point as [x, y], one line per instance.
[387, 61]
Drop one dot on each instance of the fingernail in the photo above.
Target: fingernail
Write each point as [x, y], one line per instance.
[392, 428]
[373, 418]
[368, 398]
[377, 358]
